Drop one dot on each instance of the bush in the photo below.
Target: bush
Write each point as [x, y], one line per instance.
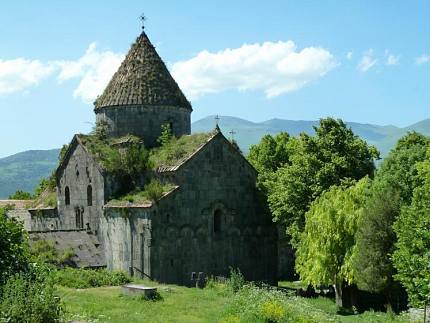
[44, 251]
[252, 304]
[154, 190]
[236, 280]
[30, 297]
[267, 304]
[87, 278]
[13, 247]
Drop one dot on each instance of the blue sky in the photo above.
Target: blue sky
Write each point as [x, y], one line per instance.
[363, 61]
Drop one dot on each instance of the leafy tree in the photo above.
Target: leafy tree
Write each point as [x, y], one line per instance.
[393, 186]
[166, 134]
[412, 257]
[270, 153]
[375, 243]
[324, 255]
[315, 164]
[13, 247]
[20, 195]
[399, 169]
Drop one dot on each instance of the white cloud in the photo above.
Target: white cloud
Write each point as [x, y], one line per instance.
[94, 68]
[422, 59]
[367, 61]
[19, 74]
[393, 60]
[349, 56]
[275, 68]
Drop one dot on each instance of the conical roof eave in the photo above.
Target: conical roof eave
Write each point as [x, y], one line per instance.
[142, 79]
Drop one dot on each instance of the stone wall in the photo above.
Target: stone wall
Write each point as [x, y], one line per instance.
[185, 238]
[144, 121]
[80, 173]
[126, 234]
[37, 219]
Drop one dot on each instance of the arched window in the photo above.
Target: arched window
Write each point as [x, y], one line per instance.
[89, 195]
[67, 195]
[217, 221]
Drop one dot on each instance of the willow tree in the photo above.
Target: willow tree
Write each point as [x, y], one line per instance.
[325, 252]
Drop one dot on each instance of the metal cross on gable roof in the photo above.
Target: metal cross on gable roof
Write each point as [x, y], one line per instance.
[232, 133]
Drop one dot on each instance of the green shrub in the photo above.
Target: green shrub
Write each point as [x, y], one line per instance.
[236, 280]
[13, 247]
[44, 251]
[87, 278]
[30, 297]
[166, 135]
[267, 304]
[154, 190]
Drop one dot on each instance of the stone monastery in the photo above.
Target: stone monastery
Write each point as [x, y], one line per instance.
[209, 216]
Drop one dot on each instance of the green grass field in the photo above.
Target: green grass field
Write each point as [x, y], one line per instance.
[182, 304]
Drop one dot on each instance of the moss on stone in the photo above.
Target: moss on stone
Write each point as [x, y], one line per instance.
[151, 192]
[170, 154]
[178, 150]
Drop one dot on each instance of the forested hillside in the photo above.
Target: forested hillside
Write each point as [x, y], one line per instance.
[23, 171]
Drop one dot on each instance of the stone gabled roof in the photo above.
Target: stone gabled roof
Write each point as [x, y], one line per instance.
[215, 134]
[142, 78]
[87, 250]
[17, 204]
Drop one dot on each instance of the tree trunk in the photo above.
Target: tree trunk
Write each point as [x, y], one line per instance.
[338, 288]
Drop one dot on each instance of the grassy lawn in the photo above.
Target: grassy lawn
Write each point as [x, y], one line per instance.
[182, 304]
[178, 304]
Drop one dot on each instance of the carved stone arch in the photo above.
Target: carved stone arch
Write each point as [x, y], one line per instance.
[259, 231]
[187, 232]
[172, 232]
[234, 232]
[247, 231]
[201, 235]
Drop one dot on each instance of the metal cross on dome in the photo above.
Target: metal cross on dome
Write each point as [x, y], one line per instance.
[217, 120]
[143, 19]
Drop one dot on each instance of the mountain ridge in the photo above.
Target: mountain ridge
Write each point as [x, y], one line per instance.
[24, 170]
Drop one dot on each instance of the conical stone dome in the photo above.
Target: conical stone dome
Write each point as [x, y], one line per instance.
[142, 78]
[142, 96]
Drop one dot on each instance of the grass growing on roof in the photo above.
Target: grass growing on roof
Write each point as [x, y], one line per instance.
[177, 149]
[151, 192]
[46, 199]
[106, 150]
